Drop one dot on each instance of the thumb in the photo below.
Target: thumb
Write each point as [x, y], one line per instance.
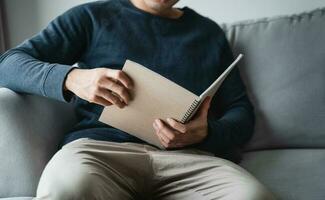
[204, 108]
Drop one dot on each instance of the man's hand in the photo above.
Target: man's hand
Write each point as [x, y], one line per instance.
[174, 134]
[101, 85]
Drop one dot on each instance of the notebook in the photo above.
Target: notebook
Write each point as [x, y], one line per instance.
[155, 96]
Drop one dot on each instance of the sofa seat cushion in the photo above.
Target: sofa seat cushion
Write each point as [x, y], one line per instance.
[292, 174]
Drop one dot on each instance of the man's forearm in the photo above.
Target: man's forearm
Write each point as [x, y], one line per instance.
[23, 73]
[33, 66]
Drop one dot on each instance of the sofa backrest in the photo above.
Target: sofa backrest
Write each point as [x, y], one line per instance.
[284, 71]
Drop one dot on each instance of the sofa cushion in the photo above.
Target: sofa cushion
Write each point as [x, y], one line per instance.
[296, 174]
[284, 71]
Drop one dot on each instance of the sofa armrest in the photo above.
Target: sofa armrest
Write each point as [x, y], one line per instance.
[31, 128]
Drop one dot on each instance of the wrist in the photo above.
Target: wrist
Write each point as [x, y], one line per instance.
[202, 134]
[204, 131]
[68, 85]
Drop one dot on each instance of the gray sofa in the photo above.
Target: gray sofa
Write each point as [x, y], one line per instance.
[284, 70]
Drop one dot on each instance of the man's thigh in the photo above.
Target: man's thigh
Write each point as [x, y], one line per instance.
[189, 175]
[89, 169]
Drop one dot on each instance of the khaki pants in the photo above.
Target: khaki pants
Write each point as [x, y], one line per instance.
[89, 169]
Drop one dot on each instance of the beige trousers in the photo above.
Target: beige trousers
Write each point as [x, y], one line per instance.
[87, 169]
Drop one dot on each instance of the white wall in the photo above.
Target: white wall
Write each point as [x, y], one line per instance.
[27, 17]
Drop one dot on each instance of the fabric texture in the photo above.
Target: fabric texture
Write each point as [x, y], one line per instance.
[105, 34]
[3, 28]
[31, 128]
[90, 169]
[284, 70]
[291, 174]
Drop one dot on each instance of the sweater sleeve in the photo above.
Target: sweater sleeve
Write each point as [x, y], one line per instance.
[231, 129]
[40, 65]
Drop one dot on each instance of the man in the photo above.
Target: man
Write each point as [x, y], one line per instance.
[100, 162]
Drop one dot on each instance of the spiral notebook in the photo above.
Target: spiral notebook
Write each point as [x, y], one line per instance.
[155, 96]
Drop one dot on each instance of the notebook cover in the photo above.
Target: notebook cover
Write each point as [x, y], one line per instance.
[153, 96]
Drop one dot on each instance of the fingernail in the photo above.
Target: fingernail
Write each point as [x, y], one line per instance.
[169, 120]
[154, 125]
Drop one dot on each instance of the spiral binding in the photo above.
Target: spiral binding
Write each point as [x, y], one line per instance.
[190, 111]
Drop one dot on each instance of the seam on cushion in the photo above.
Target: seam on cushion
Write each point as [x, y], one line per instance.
[272, 19]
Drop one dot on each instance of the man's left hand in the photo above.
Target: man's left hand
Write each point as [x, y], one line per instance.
[173, 134]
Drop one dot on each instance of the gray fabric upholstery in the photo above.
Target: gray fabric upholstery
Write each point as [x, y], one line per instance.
[284, 70]
[296, 174]
[31, 128]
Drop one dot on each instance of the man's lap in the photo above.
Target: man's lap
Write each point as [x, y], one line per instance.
[139, 171]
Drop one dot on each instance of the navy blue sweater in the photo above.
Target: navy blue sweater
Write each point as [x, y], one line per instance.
[191, 51]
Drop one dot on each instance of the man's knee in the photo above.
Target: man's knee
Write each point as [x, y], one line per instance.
[251, 189]
[67, 176]
[241, 185]
[69, 188]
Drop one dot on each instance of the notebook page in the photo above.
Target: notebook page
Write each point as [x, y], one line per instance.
[212, 89]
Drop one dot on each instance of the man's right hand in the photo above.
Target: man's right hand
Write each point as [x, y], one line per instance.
[100, 85]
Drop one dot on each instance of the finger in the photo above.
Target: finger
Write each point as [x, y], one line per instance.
[177, 125]
[107, 95]
[162, 138]
[118, 89]
[101, 101]
[165, 141]
[166, 131]
[204, 108]
[121, 77]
